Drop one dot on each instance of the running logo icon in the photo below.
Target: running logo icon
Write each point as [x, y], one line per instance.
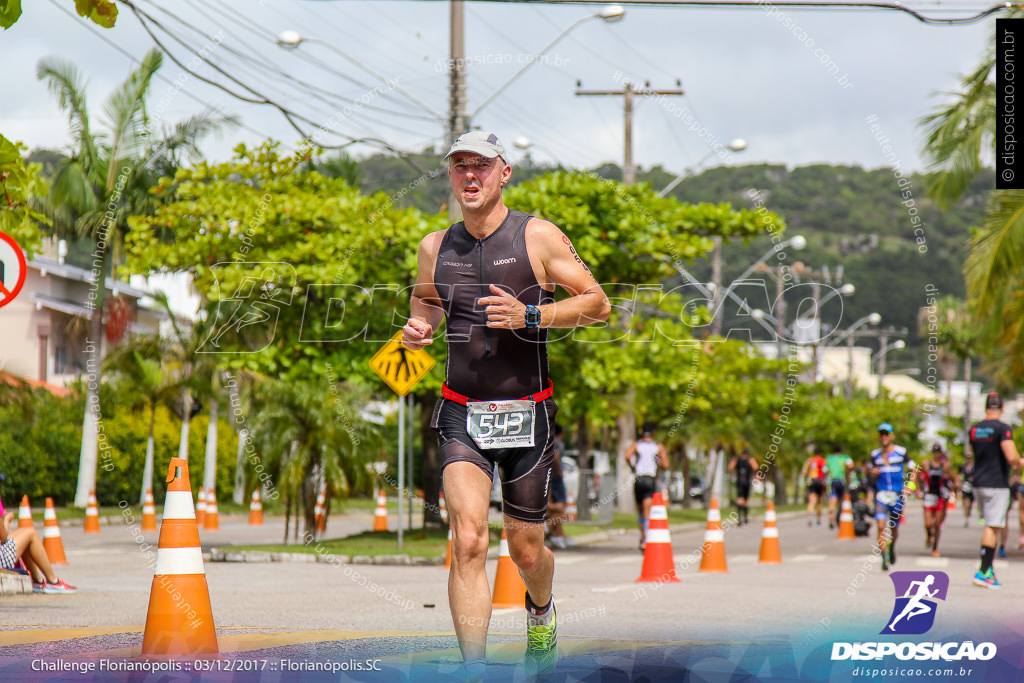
[916, 593]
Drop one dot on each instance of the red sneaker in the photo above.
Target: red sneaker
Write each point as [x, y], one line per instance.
[60, 586]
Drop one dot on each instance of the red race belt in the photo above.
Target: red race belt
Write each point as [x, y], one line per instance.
[463, 400]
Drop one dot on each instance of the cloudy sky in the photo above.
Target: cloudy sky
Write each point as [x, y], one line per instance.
[797, 85]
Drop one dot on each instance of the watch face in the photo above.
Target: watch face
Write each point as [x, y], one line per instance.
[532, 316]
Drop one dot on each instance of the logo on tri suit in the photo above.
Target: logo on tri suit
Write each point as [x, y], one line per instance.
[505, 261]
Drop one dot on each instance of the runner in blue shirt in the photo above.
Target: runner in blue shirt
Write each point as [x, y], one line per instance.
[889, 464]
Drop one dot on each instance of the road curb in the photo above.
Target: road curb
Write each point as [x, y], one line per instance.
[227, 555]
[13, 583]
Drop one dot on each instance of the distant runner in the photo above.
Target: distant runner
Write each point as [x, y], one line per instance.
[644, 457]
[813, 473]
[937, 480]
[839, 467]
[967, 487]
[889, 465]
[994, 455]
[744, 465]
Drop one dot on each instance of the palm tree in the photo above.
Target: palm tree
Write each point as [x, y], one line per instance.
[140, 364]
[298, 430]
[106, 179]
[960, 137]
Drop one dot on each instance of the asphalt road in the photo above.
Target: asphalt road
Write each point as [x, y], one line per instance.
[396, 619]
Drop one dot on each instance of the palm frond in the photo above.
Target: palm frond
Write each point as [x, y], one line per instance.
[126, 112]
[64, 80]
[996, 254]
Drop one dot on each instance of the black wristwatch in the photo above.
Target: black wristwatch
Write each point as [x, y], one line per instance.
[532, 317]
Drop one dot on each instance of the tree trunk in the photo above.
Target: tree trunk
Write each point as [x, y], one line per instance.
[626, 422]
[147, 472]
[686, 477]
[430, 467]
[186, 417]
[967, 395]
[210, 471]
[239, 496]
[287, 517]
[89, 454]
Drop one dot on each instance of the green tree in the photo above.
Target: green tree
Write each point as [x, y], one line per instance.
[102, 12]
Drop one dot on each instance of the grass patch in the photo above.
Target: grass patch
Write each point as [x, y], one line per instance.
[415, 542]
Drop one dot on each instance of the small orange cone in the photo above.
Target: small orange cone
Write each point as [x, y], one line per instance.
[25, 514]
[256, 509]
[320, 512]
[713, 556]
[659, 564]
[571, 513]
[201, 507]
[52, 542]
[180, 619]
[380, 516]
[952, 502]
[448, 553]
[149, 512]
[770, 551]
[444, 508]
[509, 589]
[846, 532]
[92, 515]
[211, 523]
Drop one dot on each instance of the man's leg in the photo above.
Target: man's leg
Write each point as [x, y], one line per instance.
[30, 549]
[467, 492]
[535, 561]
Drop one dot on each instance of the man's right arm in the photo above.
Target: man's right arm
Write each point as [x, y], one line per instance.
[1010, 451]
[426, 313]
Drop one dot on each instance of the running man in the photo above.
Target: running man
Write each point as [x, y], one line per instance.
[937, 480]
[915, 606]
[814, 472]
[967, 487]
[492, 277]
[644, 457]
[994, 455]
[889, 463]
[839, 466]
[744, 465]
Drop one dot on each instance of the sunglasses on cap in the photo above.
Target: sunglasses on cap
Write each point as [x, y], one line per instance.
[882, 432]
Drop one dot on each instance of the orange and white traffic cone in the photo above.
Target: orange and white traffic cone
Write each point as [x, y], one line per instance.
[571, 512]
[443, 507]
[846, 532]
[771, 553]
[951, 505]
[201, 507]
[25, 514]
[180, 620]
[380, 515]
[713, 555]
[256, 509]
[52, 542]
[92, 515]
[448, 552]
[211, 523]
[509, 589]
[659, 564]
[321, 515]
[149, 512]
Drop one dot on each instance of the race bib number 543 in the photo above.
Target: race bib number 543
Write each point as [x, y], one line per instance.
[501, 424]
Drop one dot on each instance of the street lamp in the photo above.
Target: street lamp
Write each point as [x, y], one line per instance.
[737, 145]
[872, 319]
[525, 143]
[880, 357]
[291, 40]
[610, 14]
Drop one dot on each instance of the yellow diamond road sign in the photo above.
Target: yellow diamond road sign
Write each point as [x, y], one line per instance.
[399, 367]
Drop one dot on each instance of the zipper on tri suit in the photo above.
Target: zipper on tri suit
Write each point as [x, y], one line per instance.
[487, 330]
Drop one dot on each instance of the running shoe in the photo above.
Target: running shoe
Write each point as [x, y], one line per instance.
[60, 586]
[38, 586]
[541, 649]
[885, 563]
[987, 580]
[892, 553]
[1002, 551]
[935, 553]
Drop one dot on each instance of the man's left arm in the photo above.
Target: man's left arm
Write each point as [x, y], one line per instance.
[561, 265]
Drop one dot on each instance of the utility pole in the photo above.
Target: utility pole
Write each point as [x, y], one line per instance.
[626, 420]
[456, 89]
[716, 294]
[628, 93]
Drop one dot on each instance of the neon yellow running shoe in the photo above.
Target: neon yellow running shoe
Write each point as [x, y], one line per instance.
[541, 649]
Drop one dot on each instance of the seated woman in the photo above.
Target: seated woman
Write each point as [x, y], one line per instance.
[25, 543]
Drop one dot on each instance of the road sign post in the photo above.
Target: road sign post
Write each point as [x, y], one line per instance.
[402, 369]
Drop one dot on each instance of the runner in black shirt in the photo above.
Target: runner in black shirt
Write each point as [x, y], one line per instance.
[743, 465]
[994, 454]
